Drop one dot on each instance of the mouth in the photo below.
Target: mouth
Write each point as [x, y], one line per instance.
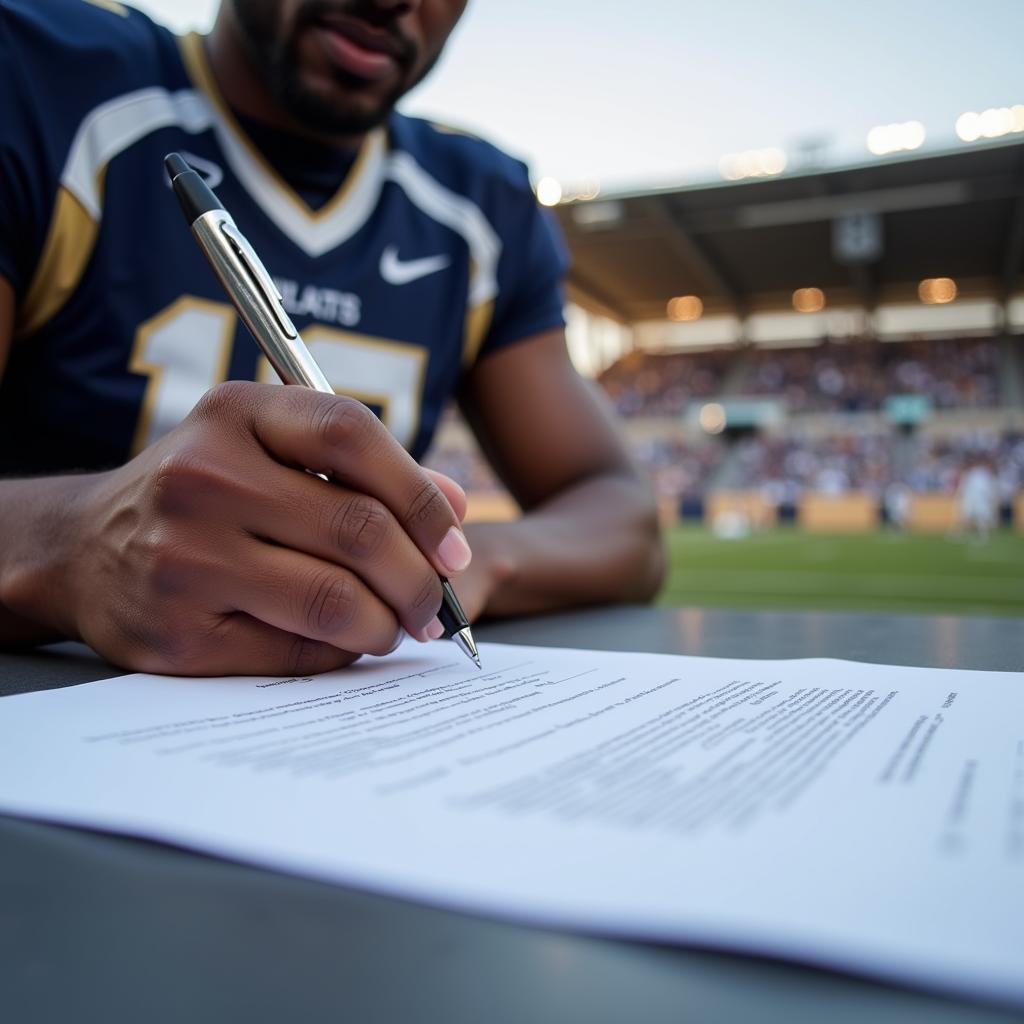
[358, 48]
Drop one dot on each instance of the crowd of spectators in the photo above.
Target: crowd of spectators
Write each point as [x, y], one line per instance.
[680, 469]
[825, 378]
[938, 464]
[858, 376]
[642, 384]
[954, 374]
[783, 468]
[849, 377]
[855, 376]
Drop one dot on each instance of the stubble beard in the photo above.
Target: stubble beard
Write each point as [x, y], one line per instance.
[278, 62]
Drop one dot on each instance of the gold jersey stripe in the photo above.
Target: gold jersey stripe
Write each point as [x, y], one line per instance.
[478, 320]
[110, 5]
[69, 244]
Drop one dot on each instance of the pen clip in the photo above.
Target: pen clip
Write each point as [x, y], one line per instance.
[261, 279]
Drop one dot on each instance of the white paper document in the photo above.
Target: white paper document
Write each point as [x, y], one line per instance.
[862, 817]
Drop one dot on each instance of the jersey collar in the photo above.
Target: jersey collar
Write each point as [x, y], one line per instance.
[315, 231]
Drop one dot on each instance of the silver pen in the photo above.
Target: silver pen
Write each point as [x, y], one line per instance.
[259, 304]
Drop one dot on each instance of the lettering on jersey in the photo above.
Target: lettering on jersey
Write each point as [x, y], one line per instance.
[186, 349]
[324, 304]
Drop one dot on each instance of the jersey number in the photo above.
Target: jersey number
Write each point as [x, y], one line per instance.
[185, 350]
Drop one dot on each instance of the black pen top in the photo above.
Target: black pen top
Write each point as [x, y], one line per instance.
[193, 193]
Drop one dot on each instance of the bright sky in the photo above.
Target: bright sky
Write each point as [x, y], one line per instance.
[656, 91]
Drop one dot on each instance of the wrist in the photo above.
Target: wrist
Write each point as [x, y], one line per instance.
[494, 567]
[42, 528]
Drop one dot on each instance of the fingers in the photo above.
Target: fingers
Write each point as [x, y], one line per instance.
[306, 597]
[452, 491]
[340, 527]
[343, 439]
[247, 647]
[249, 563]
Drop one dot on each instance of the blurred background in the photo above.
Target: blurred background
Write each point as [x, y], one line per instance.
[797, 233]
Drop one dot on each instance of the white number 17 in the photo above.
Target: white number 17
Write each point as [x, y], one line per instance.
[185, 350]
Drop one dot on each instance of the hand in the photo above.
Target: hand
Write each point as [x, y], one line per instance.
[492, 565]
[215, 552]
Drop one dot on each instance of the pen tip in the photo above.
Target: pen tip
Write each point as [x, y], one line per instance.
[464, 639]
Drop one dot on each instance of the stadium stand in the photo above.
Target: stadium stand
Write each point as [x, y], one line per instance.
[640, 384]
[784, 468]
[855, 376]
[937, 464]
[874, 405]
[832, 442]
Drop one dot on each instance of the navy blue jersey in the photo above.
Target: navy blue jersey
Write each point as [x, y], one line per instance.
[431, 254]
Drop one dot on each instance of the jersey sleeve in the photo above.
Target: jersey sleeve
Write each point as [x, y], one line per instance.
[531, 270]
[59, 61]
[25, 178]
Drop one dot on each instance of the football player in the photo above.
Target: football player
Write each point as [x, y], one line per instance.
[155, 500]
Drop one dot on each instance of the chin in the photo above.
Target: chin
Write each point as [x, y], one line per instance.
[337, 112]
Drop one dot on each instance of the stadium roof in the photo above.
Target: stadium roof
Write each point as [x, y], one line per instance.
[745, 246]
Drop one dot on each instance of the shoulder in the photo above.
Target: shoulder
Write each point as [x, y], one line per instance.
[462, 162]
[77, 53]
[78, 26]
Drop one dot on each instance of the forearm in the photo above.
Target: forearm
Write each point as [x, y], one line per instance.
[37, 538]
[594, 543]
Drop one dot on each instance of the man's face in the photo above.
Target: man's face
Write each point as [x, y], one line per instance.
[339, 66]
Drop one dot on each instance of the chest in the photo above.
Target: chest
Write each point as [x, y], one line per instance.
[377, 288]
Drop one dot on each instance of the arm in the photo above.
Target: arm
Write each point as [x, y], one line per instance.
[590, 530]
[213, 552]
[13, 507]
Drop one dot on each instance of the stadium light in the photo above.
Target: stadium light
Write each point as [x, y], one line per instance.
[685, 308]
[968, 126]
[549, 192]
[808, 300]
[589, 190]
[896, 138]
[752, 163]
[936, 291]
[990, 124]
[712, 418]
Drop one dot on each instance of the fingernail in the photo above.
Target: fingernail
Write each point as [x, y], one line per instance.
[435, 630]
[398, 642]
[454, 551]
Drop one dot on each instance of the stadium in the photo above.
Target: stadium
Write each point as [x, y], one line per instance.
[808, 364]
[701, 699]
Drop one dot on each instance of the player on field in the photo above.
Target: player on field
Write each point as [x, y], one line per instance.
[978, 499]
[165, 517]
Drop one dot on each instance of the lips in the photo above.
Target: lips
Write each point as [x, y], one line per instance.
[358, 49]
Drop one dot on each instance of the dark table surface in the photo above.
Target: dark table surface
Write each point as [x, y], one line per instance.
[101, 928]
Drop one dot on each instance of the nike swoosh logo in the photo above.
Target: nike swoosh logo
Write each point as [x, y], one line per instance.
[396, 271]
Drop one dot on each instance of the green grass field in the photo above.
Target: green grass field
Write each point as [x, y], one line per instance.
[881, 571]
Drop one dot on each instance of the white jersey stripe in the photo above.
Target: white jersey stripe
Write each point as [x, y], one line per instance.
[114, 126]
[313, 235]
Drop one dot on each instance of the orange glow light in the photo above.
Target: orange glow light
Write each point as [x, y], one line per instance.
[936, 291]
[808, 300]
[685, 308]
